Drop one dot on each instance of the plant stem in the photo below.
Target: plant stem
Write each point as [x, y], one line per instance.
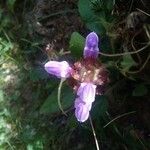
[125, 114]
[143, 12]
[59, 94]
[94, 134]
[117, 54]
[143, 66]
[57, 13]
[126, 53]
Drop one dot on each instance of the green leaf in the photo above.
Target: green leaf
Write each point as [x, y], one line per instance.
[95, 21]
[85, 10]
[1, 96]
[100, 107]
[4, 46]
[96, 26]
[11, 4]
[140, 90]
[127, 62]
[72, 122]
[76, 44]
[109, 5]
[51, 105]
[37, 73]
[87, 14]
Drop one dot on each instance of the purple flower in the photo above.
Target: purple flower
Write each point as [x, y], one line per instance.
[91, 46]
[84, 76]
[87, 92]
[83, 103]
[78, 101]
[59, 69]
[81, 112]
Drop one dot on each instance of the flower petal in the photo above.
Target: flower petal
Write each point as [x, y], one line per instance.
[82, 112]
[59, 69]
[91, 46]
[87, 92]
[78, 101]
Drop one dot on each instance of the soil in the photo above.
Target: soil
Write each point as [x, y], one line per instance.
[55, 21]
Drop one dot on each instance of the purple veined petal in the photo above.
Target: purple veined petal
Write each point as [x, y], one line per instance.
[78, 101]
[87, 92]
[89, 106]
[91, 46]
[80, 89]
[82, 112]
[59, 69]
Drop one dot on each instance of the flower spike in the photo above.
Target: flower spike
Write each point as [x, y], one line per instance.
[87, 77]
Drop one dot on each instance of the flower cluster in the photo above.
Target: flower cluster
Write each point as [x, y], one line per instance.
[87, 76]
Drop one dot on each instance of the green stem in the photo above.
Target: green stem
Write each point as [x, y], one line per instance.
[94, 134]
[125, 114]
[59, 94]
[125, 53]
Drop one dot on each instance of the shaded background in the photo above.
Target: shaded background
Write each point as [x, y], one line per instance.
[35, 31]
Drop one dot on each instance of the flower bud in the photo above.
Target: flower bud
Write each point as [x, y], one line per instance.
[91, 46]
[59, 69]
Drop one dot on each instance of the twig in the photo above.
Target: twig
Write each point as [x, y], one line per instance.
[140, 140]
[138, 56]
[131, 6]
[147, 32]
[57, 13]
[126, 53]
[6, 35]
[125, 114]
[59, 94]
[65, 53]
[143, 3]
[94, 134]
[117, 54]
[143, 12]
[143, 66]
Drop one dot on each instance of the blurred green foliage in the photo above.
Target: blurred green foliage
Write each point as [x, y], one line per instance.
[97, 14]
[76, 44]
[51, 104]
